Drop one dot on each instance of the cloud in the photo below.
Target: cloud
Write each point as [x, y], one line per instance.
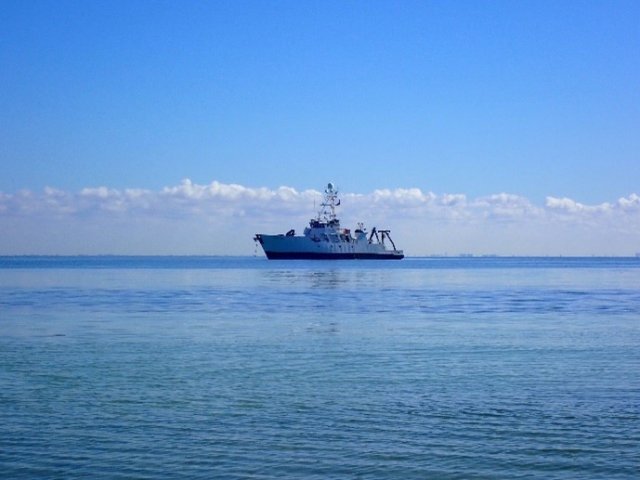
[220, 218]
[624, 205]
[506, 206]
[630, 203]
[451, 200]
[567, 205]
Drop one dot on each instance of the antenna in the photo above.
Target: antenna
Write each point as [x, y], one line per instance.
[329, 203]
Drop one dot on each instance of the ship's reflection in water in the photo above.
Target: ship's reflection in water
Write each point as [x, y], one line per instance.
[326, 279]
[304, 279]
[324, 294]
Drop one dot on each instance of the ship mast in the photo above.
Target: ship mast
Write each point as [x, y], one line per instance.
[328, 206]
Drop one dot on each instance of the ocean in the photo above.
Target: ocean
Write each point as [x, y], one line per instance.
[234, 368]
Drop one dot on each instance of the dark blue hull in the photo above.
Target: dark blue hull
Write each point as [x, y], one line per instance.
[331, 256]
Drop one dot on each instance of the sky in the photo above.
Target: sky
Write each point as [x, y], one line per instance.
[164, 127]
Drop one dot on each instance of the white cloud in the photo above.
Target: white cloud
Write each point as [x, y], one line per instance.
[568, 205]
[631, 203]
[450, 200]
[402, 196]
[221, 218]
[506, 206]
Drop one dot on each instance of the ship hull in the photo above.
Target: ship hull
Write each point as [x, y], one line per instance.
[281, 247]
[332, 256]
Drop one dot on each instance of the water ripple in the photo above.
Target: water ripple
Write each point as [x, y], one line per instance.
[318, 372]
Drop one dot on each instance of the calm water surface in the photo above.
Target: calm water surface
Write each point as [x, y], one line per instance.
[205, 367]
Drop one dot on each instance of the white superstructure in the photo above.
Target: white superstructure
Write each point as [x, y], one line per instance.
[325, 239]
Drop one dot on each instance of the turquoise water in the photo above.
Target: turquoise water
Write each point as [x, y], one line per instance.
[205, 367]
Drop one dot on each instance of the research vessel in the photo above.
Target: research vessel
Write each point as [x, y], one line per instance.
[324, 238]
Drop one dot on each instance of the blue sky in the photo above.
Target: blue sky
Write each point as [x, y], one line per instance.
[535, 99]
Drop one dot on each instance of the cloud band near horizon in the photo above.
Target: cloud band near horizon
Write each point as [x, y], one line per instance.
[33, 221]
